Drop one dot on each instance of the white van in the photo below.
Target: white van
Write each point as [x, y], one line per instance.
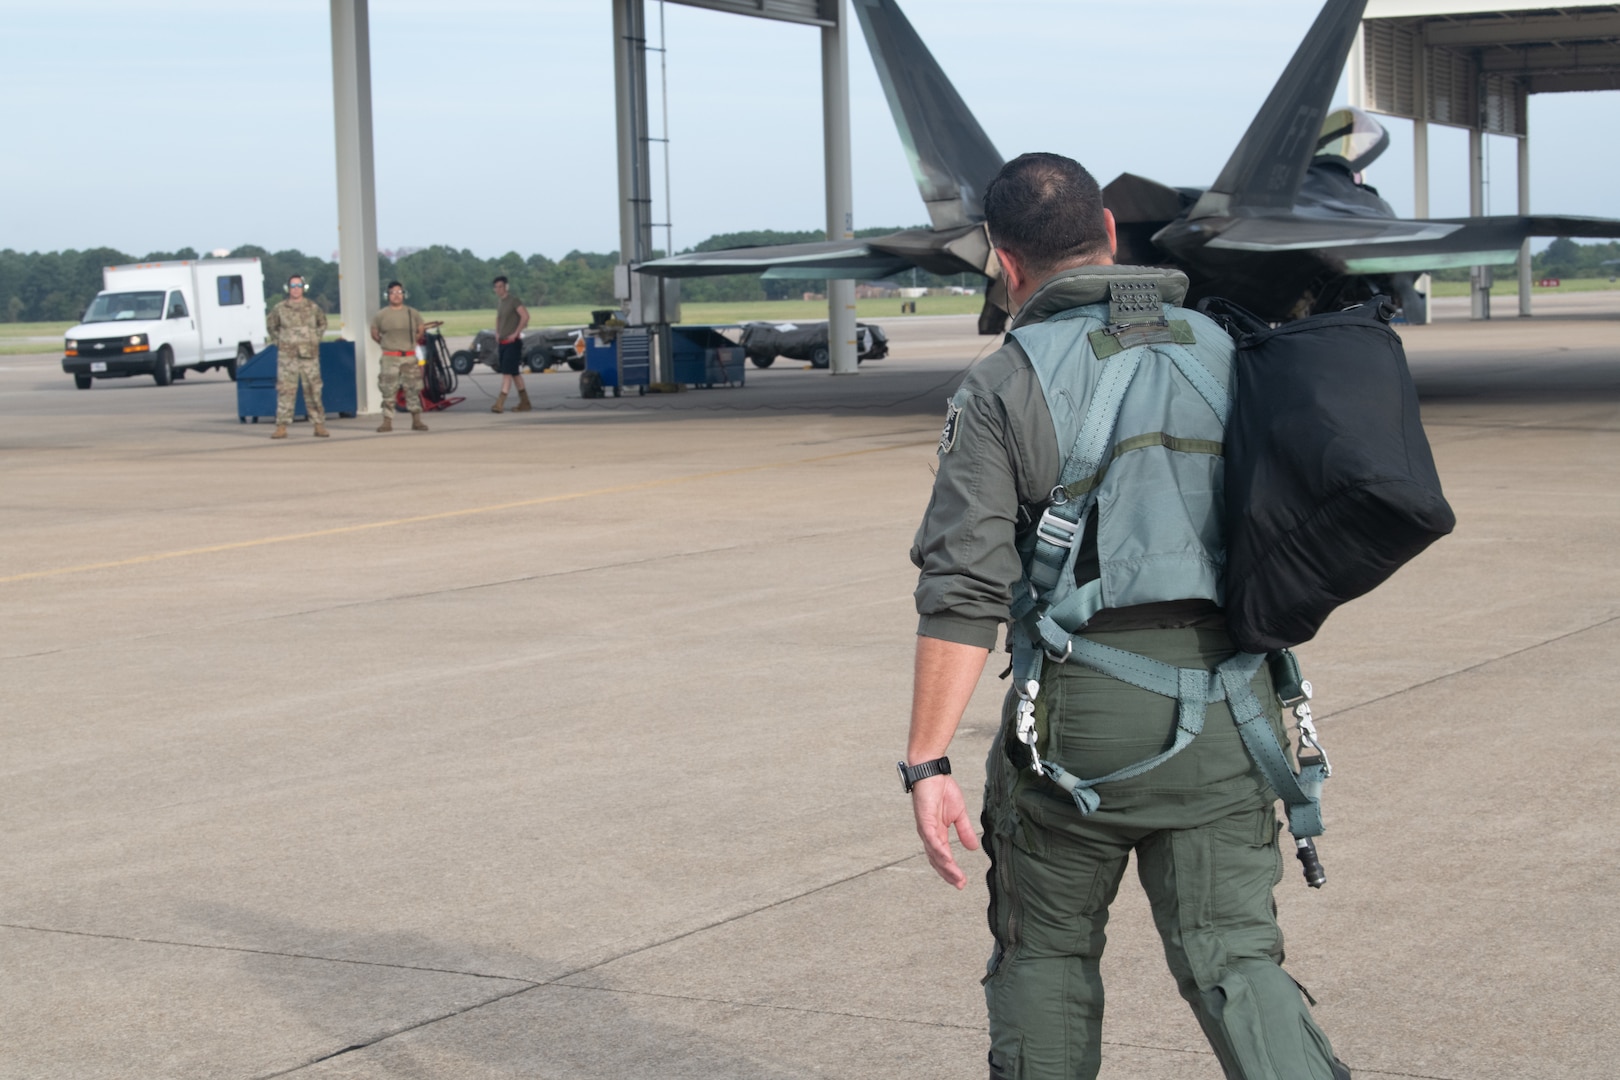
[165, 319]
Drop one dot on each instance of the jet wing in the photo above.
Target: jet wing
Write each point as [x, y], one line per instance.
[942, 251]
[1297, 233]
[1400, 245]
[826, 260]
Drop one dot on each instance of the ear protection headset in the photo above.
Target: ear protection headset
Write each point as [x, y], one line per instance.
[406, 294]
[302, 281]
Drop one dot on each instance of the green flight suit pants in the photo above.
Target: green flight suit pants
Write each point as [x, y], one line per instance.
[1204, 833]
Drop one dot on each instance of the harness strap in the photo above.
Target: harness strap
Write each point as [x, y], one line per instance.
[1302, 800]
[1209, 388]
[1062, 525]
[1194, 689]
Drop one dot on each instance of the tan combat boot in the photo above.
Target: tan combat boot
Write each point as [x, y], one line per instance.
[387, 424]
[500, 403]
[523, 402]
[416, 422]
[321, 432]
[280, 432]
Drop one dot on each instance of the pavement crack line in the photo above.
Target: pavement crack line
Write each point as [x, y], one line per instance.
[1470, 668]
[556, 981]
[527, 983]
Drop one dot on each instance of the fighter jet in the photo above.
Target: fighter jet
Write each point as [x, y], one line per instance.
[1287, 229]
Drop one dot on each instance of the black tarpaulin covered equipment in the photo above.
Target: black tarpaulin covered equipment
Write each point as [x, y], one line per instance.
[1330, 483]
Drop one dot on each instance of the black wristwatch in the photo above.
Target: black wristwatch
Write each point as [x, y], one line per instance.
[910, 774]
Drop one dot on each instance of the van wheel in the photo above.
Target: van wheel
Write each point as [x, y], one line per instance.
[163, 367]
[244, 353]
[462, 362]
[82, 381]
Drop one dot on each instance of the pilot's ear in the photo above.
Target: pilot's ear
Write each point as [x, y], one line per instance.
[1113, 233]
[1012, 271]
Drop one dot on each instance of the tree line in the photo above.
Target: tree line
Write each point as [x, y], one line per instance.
[55, 286]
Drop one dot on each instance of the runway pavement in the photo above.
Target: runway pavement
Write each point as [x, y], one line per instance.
[562, 744]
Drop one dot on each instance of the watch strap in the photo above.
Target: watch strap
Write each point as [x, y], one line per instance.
[910, 774]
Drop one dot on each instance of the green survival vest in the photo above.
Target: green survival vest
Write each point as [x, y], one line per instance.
[1140, 390]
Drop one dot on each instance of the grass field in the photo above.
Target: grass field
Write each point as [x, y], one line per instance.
[1510, 286]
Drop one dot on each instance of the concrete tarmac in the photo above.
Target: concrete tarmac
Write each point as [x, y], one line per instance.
[561, 744]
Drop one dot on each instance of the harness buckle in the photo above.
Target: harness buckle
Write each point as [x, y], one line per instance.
[1054, 530]
[1025, 715]
[1307, 732]
[1063, 657]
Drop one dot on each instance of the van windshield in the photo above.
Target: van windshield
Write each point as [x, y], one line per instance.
[119, 306]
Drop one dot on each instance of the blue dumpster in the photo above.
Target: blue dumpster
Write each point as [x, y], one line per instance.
[705, 357]
[256, 384]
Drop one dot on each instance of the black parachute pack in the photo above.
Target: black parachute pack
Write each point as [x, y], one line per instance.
[1330, 483]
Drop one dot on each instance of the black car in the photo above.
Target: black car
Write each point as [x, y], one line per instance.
[543, 347]
[765, 341]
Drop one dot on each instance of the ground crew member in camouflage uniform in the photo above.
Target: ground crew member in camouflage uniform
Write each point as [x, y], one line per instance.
[295, 326]
[396, 328]
[1201, 824]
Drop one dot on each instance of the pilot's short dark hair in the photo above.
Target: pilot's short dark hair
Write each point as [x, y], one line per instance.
[392, 285]
[500, 281]
[1047, 210]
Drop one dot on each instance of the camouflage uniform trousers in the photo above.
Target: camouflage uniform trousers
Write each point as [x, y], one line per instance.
[290, 371]
[397, 372]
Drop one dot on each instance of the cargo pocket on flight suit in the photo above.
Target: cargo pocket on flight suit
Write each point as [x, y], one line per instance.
[1002, 832]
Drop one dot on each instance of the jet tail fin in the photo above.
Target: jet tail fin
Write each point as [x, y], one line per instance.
[951, 157]
[1266, 169]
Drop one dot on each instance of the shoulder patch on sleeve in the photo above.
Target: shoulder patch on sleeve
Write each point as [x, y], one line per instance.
[953, 425]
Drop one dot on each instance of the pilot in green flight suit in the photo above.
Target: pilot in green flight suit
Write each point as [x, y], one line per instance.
[1202, 824]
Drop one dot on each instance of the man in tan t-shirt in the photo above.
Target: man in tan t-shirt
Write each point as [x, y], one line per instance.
[396, 328]
[511, 317]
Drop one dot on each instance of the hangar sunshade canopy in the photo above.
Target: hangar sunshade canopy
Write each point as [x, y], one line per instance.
[1467, 65]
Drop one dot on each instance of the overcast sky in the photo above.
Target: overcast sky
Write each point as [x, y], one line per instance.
[166, 123]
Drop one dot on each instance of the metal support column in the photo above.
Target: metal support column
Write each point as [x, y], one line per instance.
[1356, 68]
[841, 344]
[1479, 287]
[630, 98]
[1420, 161]
[1524, 209]
[1420, 130]
[643, 296]
[359, 286]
